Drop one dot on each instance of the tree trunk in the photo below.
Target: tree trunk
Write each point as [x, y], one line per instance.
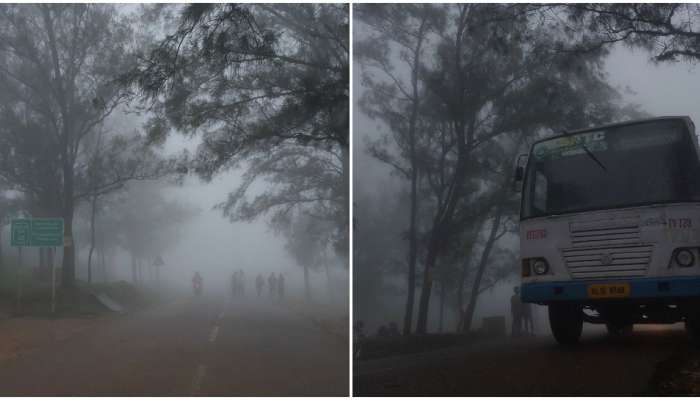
[103, 269]
[412, 229]
[68, 266]
[442, 305]
[2, 262]
[93, 206]
[412, 248]
[474, 295]
[67, 145]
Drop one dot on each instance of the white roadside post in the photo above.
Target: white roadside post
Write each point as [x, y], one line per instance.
[53, 282]
[19, 283]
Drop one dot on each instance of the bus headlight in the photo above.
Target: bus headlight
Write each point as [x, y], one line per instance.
[684, 258]
[539, 265]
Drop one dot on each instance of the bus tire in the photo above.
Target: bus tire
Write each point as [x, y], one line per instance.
[566, 322]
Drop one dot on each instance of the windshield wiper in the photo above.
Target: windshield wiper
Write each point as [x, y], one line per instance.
[583, 146]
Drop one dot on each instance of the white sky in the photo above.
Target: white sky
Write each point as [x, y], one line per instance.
[663, 89]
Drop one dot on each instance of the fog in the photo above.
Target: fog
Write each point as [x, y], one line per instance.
[190, 166]
[653, 88]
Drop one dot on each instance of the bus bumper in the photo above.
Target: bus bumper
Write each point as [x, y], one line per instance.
[640, 288]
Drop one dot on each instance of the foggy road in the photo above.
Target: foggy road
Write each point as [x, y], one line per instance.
[600, 365]
[196, 346]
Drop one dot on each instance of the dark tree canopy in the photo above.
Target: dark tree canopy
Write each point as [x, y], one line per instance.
[266, 87]
[669, 32]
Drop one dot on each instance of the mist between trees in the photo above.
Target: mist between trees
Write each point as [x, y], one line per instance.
[93, 96]
[447, 97]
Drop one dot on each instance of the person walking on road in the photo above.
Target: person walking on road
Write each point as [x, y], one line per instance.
[272, 284]
[241, 282]
[280, 285]
[516, 311]
[259, 283]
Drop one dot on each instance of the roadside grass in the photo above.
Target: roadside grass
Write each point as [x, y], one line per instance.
[78, 301]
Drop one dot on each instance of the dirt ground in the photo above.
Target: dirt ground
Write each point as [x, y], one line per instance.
[19, 336]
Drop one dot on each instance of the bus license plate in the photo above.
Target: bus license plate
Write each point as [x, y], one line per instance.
[609, 291]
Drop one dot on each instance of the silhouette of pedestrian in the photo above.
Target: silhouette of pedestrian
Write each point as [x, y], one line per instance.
[272, 284]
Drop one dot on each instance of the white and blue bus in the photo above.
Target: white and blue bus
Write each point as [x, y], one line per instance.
[610, 226]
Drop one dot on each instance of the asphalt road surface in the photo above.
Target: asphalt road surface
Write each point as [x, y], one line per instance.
[600, 365]
[197, 346]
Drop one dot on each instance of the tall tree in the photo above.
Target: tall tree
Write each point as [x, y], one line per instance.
[57, 64]
[498, 73]
[400, 34]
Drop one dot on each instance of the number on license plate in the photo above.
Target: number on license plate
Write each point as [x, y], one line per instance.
[608, 291]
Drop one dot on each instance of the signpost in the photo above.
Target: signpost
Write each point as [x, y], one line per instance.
[37, 232]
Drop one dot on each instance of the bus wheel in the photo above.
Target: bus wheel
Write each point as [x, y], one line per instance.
[566, 322]
[617, 329]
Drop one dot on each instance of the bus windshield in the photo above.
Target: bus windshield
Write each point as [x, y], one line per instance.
[631, 165]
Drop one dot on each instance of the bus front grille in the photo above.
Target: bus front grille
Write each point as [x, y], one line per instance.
[608, 262]
[616, 232]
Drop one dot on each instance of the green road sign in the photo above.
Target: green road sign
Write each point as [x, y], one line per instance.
[37, 232]
[19, 231]
[47, 232]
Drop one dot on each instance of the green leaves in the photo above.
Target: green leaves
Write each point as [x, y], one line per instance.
[266, 86]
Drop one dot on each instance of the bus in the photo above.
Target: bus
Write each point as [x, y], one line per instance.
[610, 227]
